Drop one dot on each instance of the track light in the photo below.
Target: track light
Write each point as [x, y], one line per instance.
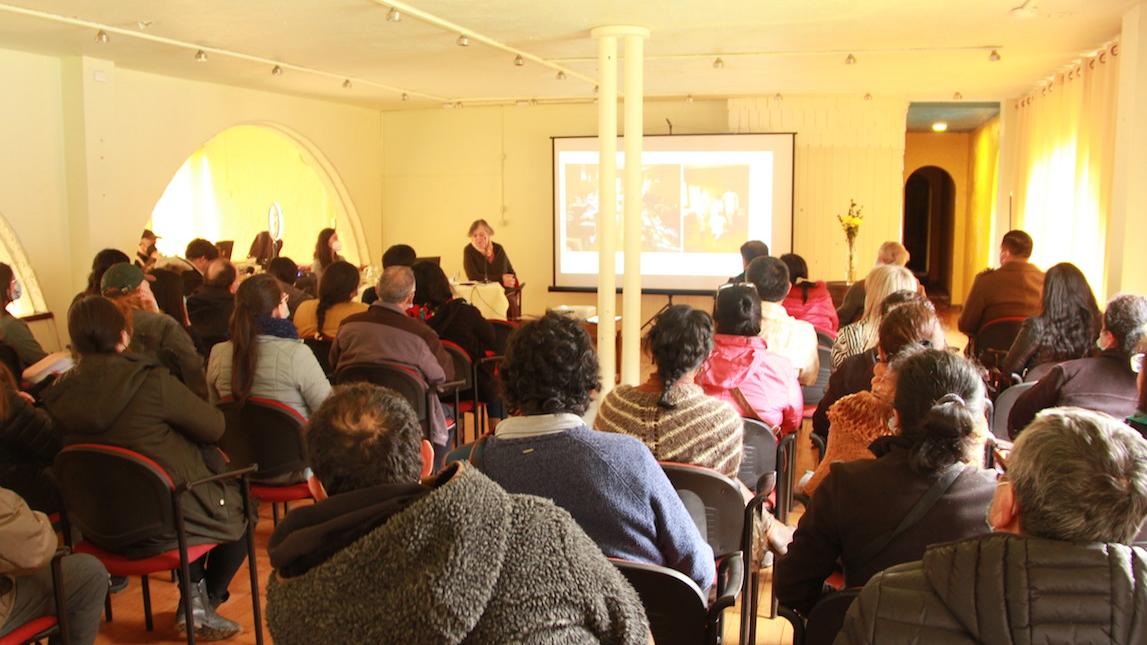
[393, 15]
[778, 98]
[276, 71]
[201, 56]
[561, 75]
[957, 97]
[102, 37]
[519, 61]
[346, 84]
[850, 60]
[994, 56]
[867, 97]
[405, 96]
[463, 41]
[718, 63]
[689, 98]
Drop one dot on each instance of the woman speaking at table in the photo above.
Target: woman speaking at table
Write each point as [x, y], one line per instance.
[486, 261]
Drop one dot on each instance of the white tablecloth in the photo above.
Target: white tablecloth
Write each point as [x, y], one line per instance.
[488, 297]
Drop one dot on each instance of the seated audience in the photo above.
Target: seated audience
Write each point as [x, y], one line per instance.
[760, 384]
[610, 483]
[157, 336]
[1138, 420]
[1056, 569]
[808, 301]
[199, 255]
[856, 518]
[750, 251]
[385, 333]
[29, 543]
[265, 357]
[461, 323]
[337, 287]
[1065, 330]
[1011, 291]
[263, 249]
[29, 442]
[855, 372]
[286, 272]
[852, 306]
[101, 263]
[209, 308]
[794, 339]
[327, 247]
[1104, 382]
[464, 561]
[858, 419]
[13, 331]
[122, 399]
[167, 290]
[146, 254]
[860, 336]
[669, 413]
[397, 255]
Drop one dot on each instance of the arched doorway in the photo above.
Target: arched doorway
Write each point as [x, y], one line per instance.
[12, 254]
[228, 189]
[929, 225]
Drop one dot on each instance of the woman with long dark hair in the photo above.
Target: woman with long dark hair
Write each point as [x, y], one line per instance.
[1065, 330]
[337, 289]
[856, 516]
[127, 400]
[265, 357]
[327, 248]
[760, 384]
[100, 263]
[13, 331]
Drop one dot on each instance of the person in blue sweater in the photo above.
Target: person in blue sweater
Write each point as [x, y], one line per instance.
[609, 483]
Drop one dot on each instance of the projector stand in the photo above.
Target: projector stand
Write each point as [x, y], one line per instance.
[659, 312]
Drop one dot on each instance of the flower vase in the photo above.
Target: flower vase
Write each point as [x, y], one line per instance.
[851, 277]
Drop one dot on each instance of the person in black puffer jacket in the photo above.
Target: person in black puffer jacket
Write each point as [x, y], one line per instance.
[28, 444]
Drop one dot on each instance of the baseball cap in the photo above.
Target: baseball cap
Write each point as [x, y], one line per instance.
[121, 279]
[148, 235]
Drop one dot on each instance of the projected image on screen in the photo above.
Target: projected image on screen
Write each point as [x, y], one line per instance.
[701, 198]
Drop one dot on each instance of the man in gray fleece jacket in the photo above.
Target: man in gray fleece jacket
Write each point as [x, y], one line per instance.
[453, 559]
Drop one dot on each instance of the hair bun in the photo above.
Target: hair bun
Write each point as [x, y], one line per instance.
[950, 417]
[951, 397]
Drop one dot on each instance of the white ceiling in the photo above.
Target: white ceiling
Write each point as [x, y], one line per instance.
[917, 49]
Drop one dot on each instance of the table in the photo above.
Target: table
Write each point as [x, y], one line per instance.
[488, 297]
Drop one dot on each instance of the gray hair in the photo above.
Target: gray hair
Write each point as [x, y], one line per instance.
[1079, 476]
[395, 284]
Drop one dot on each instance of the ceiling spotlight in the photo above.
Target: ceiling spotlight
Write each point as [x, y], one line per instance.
[595, 89]
[561, 75]
[462, 41]
[940, 126]
[689, 98]
[102, 37]
[519, 61]
[778, 98]
[958, 97]
[276, 71]
[201, 56]
[867, 97]
[850, 60]
[346, 84]
[393, 15]
[405, 96]
[994, 56]
[718, 63]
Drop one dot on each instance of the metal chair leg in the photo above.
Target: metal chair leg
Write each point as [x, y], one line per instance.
[146, 586]
[275, 513]
[252, 563]
[108, 607]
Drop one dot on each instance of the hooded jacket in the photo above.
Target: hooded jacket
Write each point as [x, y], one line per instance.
[28, 444]
[129, 401]
[1005, 589]
[459, 561]
[766, 380]
[816, 309]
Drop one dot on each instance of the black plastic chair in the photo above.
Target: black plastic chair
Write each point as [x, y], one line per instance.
[118, 497]
[502, 331]
[815, 392]
[321, 348]
[824, 620]
[991, 344]
[464, 373]
[270, 435]
[758, 471]
[51, 627]
[677, 610]
[1003, 407]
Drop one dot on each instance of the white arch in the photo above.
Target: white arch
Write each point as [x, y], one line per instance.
[21, 266]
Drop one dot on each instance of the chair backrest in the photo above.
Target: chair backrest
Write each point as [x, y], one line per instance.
[502, 331]
[815, 392]
[992, 342]
[827, 616]
[675, 607]
[758, 457]
[463, 364]
[116, 497]
[321, 348]
[723, 504]
[1003, 407]
[824, 337]
[264, 432]
[401, 378]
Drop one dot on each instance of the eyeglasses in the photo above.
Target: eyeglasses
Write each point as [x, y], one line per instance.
[1137, 362]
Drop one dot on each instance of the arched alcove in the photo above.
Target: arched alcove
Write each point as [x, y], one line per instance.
[226, 189]
[12, 254]
[929, 224]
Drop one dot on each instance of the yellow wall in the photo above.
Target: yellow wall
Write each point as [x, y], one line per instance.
[948, 151]
[979, 247]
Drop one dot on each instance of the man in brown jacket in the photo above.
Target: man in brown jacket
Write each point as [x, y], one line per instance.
[1012, 291]
[27, 544]
[1058, 569]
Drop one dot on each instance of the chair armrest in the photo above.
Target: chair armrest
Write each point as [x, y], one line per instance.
[489, 359]
[449, 386]
[730, 579]
[796, 619]
[818, 443]
[231, 474]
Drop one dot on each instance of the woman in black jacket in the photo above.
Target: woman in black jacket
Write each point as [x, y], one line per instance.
[28, 445]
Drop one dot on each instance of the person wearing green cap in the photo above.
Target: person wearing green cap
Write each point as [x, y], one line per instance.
[153, 334]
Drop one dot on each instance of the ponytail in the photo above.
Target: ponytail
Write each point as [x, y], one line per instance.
[940, 398]
[257, 296]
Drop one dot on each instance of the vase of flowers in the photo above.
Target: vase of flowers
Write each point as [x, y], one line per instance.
[850, 223]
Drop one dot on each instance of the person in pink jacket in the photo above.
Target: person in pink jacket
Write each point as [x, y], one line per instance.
[807, 300]
[741, 370]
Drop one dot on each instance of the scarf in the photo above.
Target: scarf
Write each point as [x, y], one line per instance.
[278, 327]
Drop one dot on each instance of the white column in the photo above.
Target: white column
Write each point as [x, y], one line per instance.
[607, 205]
[631, 279]
[1126, 226]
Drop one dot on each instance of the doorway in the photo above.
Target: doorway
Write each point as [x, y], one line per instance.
[929, 225]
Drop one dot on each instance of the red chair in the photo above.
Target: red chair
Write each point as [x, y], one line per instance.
[268, 434]
[38, 629]
[118, 497]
